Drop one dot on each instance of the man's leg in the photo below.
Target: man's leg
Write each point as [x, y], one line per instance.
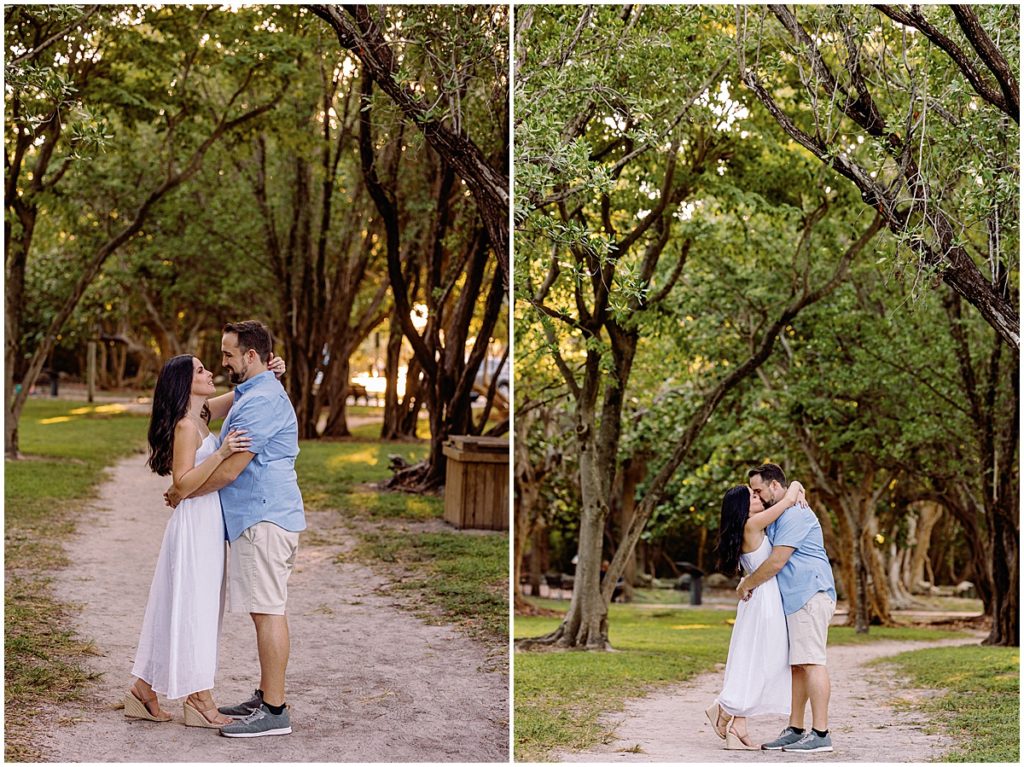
[819, 690]
[799, 703]
[273, 644]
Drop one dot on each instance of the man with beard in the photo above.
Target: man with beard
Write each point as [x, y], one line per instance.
[800, 564]
[263, 515]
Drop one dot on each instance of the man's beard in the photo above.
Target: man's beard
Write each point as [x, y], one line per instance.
[237, 378]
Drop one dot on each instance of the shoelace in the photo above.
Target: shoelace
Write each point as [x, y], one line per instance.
[256, 714]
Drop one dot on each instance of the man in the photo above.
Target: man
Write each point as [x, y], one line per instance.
[263, 515]
[802, 570]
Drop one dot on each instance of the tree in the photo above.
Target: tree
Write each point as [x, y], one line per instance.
[453, 284]
[653, 153]
[359, 30]
[536, 423]
[890, 428]
[935, 162]
[176, 153]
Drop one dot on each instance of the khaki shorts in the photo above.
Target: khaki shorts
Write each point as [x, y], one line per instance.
[262, 558]
[808, 631]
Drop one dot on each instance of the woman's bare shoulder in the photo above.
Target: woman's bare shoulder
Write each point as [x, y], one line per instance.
[185, 429]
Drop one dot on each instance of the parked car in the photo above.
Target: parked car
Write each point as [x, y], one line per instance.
[490, 368]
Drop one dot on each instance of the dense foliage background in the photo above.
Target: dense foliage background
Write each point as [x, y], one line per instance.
[747, 235]
[171, 168]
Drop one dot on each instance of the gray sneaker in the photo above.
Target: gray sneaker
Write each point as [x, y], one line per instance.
[810, 743]
[243, 710]
[259, 723]
[787, 737]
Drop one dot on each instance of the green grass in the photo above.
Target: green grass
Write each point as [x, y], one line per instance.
[66, 445]
[982, 706]
[463, 574]
[559, 696]
[335, 475]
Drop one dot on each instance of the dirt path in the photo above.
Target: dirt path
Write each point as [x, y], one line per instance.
[669, 725]
[368, 682]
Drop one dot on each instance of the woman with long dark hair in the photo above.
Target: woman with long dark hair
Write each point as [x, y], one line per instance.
[177, 653]
[757, 676]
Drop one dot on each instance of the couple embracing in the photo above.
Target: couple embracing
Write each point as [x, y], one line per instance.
[240, 487]
[777, 657]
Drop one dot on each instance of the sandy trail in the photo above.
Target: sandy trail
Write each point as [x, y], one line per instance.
[367, 681]
[669, 725]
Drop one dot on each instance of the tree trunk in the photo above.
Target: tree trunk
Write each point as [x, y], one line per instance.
[337, 421]
[538, 557]
[851, 568]
[412, 402]
[633, 472]
[1004, 543]
[929, 514]
[585, 625]
[392, 415]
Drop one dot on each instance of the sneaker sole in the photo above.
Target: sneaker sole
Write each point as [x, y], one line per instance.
[774, 748]
[818, 750]
[278, 731]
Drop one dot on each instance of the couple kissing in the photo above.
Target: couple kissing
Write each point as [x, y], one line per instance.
[777, 658]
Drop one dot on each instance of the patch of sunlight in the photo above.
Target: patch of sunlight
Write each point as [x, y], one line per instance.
[115, 408]
[57, 419]
[419, 507]
[81, 410]
[692, 626]
[367, 456]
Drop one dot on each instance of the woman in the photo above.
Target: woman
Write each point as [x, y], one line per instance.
[177, 653]
[757, 675]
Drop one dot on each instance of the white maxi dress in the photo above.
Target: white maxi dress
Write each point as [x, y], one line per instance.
[177, 652]
[757, 675]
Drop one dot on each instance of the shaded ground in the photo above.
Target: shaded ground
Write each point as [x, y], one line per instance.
[867, 722]
[367, 680]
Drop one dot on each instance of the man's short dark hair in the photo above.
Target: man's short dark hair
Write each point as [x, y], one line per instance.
[769, 472]
[252, 334]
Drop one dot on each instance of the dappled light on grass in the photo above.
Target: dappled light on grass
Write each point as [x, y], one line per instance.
[397, 504]
[982, 702]
[114, 409]
[101, 409]
[330, 471]
[369, 456]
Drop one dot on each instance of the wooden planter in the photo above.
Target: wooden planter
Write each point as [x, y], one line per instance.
[476, 491]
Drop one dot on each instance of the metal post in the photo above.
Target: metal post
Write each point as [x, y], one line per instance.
[696, 582]
[91, 374]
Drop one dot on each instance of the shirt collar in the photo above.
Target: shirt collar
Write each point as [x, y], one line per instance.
[251, 383]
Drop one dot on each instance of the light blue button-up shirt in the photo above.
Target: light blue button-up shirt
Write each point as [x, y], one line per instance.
[807, 572]
[267, 490]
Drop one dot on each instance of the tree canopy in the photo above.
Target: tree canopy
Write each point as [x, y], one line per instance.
[170, 168]
[701, 287]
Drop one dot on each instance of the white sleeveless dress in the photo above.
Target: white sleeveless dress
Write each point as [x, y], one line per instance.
[177, 652]
[757, 675]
